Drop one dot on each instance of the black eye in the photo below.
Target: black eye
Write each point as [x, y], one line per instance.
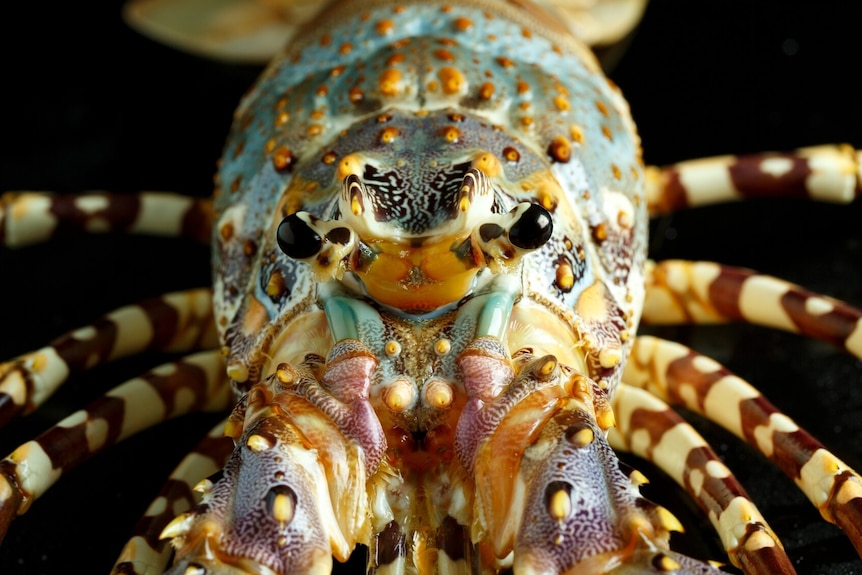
[297, 239]
[533, 229]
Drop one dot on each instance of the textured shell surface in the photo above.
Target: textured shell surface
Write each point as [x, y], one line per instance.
[158, 122]
[409, 97]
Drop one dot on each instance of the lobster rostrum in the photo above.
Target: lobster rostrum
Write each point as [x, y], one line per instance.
[429, 244]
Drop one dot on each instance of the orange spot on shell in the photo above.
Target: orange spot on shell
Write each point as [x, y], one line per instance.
[451, 133]
[523, 87]
[607, 133]
[392, 348]
[282, 119]
[445, 55]
[345, 48]
[562, 104]
[486, 91]
[600, 106]
[452, 80]
[462, 24]
[505, 62]
[511, 154]
[356, 95]
[560, 150]
[489, 164]
[576, 134]
[384, 27]
[389, 134]
[600, 232]
[226, 231]
[282, 159]
[547, 200]
[617, 174]
[390, 82]
[329, 157]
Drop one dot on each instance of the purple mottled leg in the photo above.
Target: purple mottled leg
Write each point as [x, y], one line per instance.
[293, 494]
[547, 484]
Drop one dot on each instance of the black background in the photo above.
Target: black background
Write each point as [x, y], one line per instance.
[89, 104]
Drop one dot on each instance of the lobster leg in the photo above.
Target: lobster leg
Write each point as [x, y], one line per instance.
[548, 486]
[647, 427]
[175, 322]
[28, 218]
[680, 291]
[145, 553]
[196, 382]
[824, 173]
[295, 490]
[681, 376]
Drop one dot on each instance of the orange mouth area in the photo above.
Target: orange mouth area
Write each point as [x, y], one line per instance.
[417, 279]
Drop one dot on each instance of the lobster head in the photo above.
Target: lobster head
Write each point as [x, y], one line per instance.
[421, 224]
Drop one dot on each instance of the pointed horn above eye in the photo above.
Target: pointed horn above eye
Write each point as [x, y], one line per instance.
[475, 183]
[354, 194]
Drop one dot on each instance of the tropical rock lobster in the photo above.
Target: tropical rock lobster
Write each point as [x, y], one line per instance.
[513, 350]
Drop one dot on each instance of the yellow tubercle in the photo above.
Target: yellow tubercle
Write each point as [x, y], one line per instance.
[548, 367]
[399, 395]
[439, 394]
[258, 443]
[582, 438]
[560, 505]
[282, 508]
